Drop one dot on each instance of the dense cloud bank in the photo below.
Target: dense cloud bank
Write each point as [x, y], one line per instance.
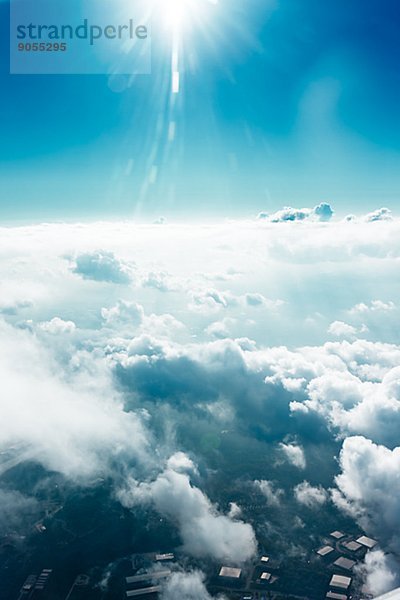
[287, 332]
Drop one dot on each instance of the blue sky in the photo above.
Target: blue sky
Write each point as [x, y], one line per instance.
[292, 102]
[202, 366]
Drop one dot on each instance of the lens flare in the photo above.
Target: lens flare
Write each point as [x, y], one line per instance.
[176, 11]
[183, 14]
[180, 17]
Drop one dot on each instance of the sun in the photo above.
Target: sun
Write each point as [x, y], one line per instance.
[182, 15]
[181, 19]
[176, 11]
[182, 27]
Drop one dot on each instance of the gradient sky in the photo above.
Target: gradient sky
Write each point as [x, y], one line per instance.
[284, 102]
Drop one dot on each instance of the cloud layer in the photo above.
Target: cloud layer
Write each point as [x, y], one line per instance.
[144, 361]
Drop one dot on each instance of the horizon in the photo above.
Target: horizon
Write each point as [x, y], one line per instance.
[199, 299]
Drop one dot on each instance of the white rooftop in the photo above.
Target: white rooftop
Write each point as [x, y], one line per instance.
[340, 581]
[264, 558]
[266, 576]
[231, 572]
[344, 563]
[367, 542]
[325, 550]
[335, 596]
[352, 546]
[166, 556]
[337, 534]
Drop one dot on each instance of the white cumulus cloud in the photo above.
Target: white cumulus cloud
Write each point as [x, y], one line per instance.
[294, 454]
[204, 531]
[309, 495]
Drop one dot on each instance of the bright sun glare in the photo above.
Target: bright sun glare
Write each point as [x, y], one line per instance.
[180, 17]
[182, 14]
[176, 11]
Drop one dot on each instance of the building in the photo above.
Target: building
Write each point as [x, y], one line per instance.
[338, 535]
[230, 572]
[325, 551]
[367, 542]
[336, 596]
[28, 586]
[273, 564]
[352, 546]
[145, 584]
[41, 582]
[164, 557]
[344, 563]
[148, 576]
[341, 582]
[265, 577]
[143, 591]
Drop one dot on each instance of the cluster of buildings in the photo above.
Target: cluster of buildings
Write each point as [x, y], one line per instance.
[146, 575]
[341, 555]
[35, 585]
[249, 584]
[267, 574]
[147, 581]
